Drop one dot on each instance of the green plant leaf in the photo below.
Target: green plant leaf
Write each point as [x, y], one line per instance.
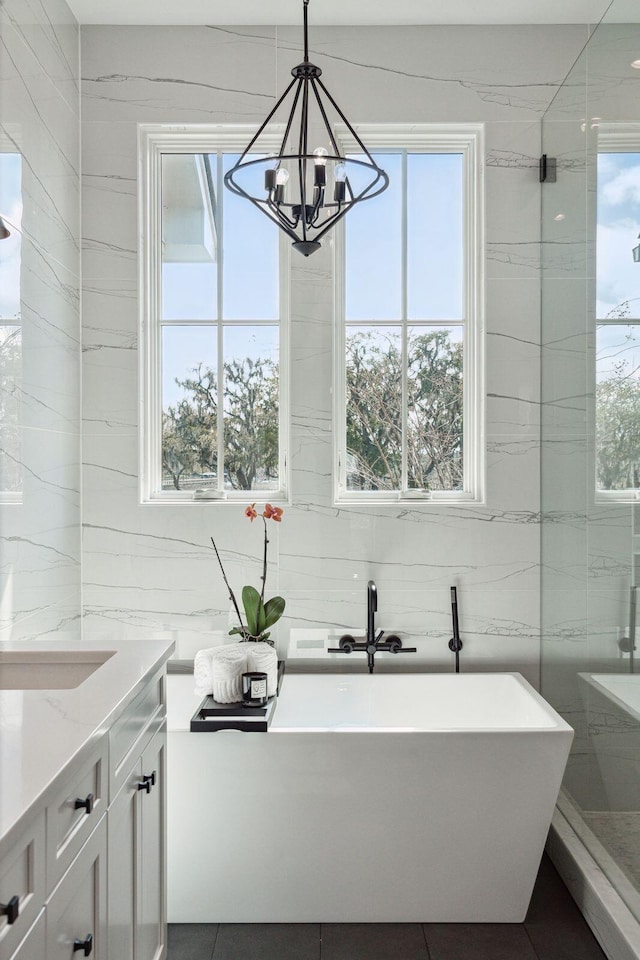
[235, 630]
[252, 603]
[273, 610]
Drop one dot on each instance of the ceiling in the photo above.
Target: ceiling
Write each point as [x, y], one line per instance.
[338, 12]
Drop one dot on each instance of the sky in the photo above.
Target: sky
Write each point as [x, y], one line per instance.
[618, 276]
[11, 212]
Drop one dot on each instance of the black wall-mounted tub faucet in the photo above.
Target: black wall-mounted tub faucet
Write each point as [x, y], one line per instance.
[455, 644]
[372, 643]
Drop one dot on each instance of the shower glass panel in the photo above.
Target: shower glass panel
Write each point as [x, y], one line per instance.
[591, 440]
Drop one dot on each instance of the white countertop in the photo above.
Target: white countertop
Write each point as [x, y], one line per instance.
[42, 731]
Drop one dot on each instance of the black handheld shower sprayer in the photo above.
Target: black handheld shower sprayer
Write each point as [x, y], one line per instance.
[455, 644]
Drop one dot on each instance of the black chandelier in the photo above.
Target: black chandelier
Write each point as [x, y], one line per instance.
[306, 191]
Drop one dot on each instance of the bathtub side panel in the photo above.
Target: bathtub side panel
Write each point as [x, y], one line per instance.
[446, 827]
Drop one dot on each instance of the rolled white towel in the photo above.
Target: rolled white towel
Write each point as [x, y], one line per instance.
[263, 658]
[227, 666]
[202, 672]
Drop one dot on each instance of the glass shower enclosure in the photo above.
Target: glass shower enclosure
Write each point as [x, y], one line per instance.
[590, 442]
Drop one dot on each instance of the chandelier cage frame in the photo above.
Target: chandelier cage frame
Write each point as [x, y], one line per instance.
[309, 216]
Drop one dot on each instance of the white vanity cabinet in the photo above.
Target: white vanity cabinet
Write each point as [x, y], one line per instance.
[82, 869]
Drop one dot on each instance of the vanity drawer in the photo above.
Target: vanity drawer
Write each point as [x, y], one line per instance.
[132, 731]
[22, 875]
[75, 809]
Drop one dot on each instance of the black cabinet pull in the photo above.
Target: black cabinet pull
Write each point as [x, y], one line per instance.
[10, 909]
[144, 785]
[150, 778]
[87, 803]
[85, 945]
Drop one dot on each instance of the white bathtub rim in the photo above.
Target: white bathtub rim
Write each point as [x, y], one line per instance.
[555, 723]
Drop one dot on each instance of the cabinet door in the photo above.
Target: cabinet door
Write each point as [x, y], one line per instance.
[151, 919]
[123, 843]
[76, 911]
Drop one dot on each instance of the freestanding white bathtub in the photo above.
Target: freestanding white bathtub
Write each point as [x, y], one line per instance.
[392, 797]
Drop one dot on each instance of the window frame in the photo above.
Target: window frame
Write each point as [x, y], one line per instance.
[468, 140]
[155, 140]
[610, 139]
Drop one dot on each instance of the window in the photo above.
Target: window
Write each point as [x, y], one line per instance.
[409, 399]
[10, 328]
[617, 350]
[214, 326]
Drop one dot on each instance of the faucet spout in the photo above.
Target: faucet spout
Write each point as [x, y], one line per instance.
[372, 606]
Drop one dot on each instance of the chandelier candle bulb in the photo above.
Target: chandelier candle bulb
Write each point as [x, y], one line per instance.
[320, 172]
[282, 177]
[339, 176]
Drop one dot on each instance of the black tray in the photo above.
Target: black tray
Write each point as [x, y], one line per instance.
[212, 716]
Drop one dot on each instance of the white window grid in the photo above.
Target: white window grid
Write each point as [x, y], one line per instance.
[155, 141]
[467, 140]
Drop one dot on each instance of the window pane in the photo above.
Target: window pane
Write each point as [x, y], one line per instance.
[251, 408]
[11, 211]
[189, 241]
[374, 408]
[434, 416]
[435, 258]
[373, 248]
[189, 407]
[618, 276]
[250, 264]
[10, 331]
[10, 387]
[618, 407]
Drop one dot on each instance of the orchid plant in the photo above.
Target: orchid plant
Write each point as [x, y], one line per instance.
[259, 614]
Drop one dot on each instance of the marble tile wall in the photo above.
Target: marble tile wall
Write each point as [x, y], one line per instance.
[40, 588]
[148, 568]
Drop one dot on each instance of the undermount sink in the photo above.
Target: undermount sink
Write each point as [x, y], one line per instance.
[49, 669]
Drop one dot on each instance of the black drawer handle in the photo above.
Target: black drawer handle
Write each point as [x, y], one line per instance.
[144, 785]
[87, 803]
[85, 945]
[11, 909]
[150, 777]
